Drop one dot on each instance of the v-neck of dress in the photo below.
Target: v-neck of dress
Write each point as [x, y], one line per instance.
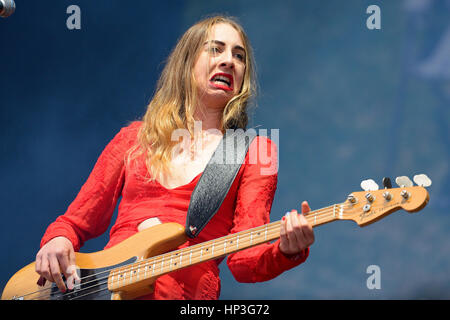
[183, 185]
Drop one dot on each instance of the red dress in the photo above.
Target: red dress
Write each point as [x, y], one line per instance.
[247, 205]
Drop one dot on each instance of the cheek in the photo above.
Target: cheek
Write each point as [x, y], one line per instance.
[239, 81]
[201, 70]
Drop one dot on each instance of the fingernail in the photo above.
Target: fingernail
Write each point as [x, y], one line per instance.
[284, 218]
[41, 282]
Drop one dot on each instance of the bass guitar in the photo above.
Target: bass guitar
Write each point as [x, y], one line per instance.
[129, 269]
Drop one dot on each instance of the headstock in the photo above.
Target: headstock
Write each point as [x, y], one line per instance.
[370, 205]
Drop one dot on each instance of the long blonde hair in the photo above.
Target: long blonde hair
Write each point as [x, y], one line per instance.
[172, 106]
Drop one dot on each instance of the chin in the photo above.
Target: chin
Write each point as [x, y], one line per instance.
[216, 99]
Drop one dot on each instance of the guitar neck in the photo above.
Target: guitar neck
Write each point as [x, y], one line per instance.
[153, 267]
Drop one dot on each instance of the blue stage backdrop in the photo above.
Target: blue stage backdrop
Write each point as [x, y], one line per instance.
[353, 98]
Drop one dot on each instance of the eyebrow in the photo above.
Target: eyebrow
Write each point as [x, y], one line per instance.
[223, 44]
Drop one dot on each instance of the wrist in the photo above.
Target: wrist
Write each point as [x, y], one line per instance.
[292, 256]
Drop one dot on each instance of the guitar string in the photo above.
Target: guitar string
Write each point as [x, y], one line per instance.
[271, 232]
[105, 282]
[317, 214]
[313, 214]
[157, 260]
[61, 295]
[199, 247]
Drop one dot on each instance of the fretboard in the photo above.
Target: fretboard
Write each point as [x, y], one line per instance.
[210, 250]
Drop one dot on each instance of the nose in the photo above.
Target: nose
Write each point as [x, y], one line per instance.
[227, 59]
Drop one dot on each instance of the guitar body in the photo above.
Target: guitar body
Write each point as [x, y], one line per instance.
[95, 267]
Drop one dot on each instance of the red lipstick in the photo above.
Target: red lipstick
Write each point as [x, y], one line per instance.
[225, 78]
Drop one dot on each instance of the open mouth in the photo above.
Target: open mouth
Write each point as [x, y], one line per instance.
[222, 81]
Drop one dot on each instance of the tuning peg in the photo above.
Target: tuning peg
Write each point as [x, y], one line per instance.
[387, 183]
[369, 185]
[403, 181]
[422, 180]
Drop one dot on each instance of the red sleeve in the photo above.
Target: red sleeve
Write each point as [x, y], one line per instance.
[89, 215]
[254, 201]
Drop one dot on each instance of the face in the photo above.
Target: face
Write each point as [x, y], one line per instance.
[220, 67]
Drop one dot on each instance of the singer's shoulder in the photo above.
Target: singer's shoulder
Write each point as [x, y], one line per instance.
[133, 126]
[128, 133]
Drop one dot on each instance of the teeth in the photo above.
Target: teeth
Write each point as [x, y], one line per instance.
[222, 79]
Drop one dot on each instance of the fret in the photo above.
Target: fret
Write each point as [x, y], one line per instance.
[201, 253]
[224, 246]
[251, 238]
[145, 270]
[212, 249]
[237, 242]
[162, 263]
[181, 254]
[170, 264]
[265, 234]
[190, 257]
[153, 269]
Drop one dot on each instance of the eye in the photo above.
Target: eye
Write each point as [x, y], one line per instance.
[240, 56]
[214, 50]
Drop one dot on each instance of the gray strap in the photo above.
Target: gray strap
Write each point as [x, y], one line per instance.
[217, 179]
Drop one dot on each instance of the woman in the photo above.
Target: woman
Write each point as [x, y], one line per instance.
[208, 79]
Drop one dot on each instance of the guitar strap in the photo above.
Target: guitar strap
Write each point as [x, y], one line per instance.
[217, 179]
